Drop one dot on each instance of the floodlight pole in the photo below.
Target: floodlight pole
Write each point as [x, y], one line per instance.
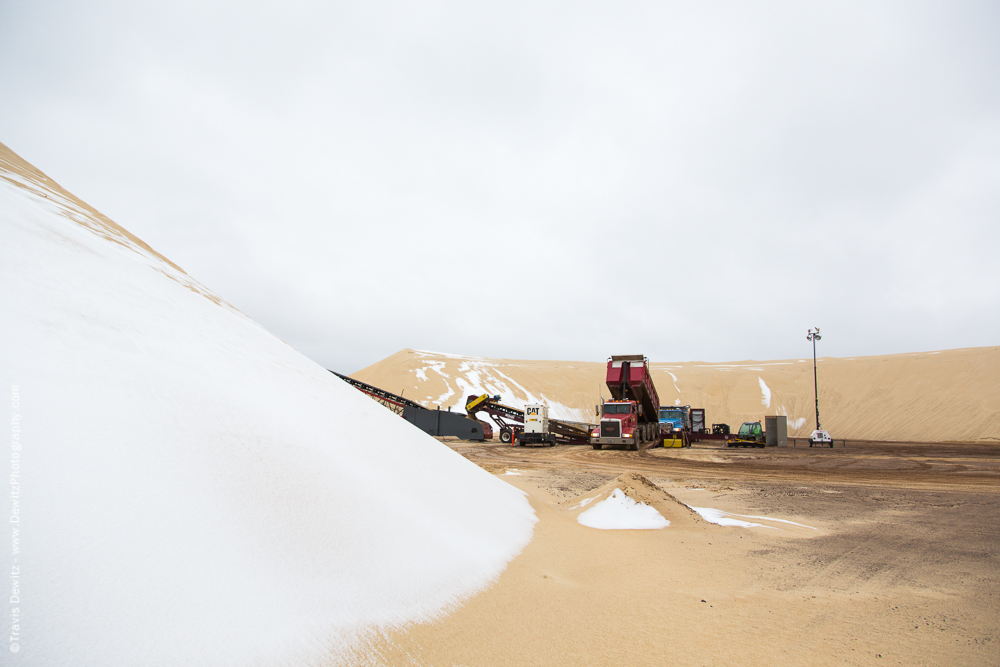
[814, 336]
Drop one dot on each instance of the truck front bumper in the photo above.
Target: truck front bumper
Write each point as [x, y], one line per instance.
[611, 441]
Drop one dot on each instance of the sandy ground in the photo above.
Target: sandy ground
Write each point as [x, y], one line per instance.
[903, 566]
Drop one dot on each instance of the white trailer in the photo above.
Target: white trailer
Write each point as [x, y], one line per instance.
[820, 438]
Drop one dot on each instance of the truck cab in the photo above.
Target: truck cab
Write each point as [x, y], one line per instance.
[630, 417]
[674, 419]
[619, 425]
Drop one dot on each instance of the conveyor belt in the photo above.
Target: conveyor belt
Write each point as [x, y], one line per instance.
[392, 401]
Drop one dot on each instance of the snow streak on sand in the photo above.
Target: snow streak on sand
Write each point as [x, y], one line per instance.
[619, 512]
[793, 423]
[676, 388]
[765, 393]
[199, 492]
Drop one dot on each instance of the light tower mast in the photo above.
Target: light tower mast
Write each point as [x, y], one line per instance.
[814, 336]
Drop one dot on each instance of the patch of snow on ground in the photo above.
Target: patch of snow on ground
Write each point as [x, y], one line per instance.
[619, 512]
[724, 518]
[228, 501]
[765, 393]
[767, 518]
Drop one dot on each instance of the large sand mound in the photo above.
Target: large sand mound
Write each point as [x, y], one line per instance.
[951, 395]
[188, 489]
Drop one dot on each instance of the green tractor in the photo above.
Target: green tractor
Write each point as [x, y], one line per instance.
[751, 434]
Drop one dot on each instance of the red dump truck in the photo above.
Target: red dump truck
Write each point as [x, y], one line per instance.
[632, 416]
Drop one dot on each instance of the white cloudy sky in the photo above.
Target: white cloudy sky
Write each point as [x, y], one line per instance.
[543, 179]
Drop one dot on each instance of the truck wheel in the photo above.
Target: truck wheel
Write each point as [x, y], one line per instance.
[505, 436]
[634, 446]
[596, 445]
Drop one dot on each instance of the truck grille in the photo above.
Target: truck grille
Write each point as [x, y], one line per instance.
[611, 428]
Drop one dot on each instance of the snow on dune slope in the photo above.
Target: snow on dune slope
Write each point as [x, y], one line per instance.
[192, 490]
[463, 376]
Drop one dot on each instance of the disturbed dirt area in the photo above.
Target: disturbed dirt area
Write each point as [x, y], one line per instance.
[904, 567]
[972, 466]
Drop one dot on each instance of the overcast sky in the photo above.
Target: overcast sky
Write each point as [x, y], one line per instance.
[543, 179]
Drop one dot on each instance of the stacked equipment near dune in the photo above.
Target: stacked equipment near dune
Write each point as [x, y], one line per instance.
[511, 422]
[632, 416]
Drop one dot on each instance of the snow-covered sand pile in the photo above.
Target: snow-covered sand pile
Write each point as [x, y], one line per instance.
[192, 490]
[631, 502]
[619, 512]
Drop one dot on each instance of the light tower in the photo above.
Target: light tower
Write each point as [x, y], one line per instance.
[814, 336]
